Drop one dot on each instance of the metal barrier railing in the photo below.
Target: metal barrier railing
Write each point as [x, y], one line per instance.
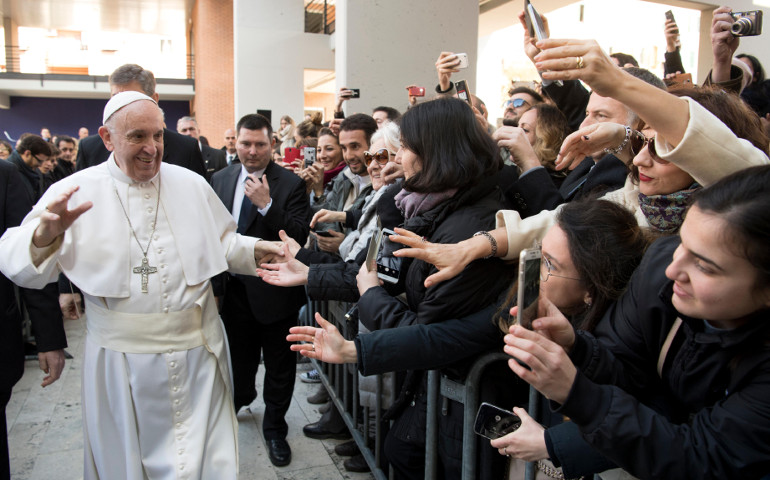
[341, 381]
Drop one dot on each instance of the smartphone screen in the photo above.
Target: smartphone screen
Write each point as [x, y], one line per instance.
[494, 422]
[388, 266]
[529, 286]
[462, 91]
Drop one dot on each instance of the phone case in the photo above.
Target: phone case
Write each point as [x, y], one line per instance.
[494, 422]
[529, 286]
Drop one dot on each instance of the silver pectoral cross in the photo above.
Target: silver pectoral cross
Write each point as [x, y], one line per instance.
[145, 270]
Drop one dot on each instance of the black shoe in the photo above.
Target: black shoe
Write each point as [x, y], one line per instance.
[321, 396]
[279, 452]
[356, 464]
[318, 431]
[347, 449]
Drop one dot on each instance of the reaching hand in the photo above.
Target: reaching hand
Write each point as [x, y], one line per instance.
[446, 65]
[391, 172]
[672, 35]
[285, 274]
[334, 125]
[57, 218]
[325, 344]
[71, 305]
[366, 279]
[291, 247]
[559, 60]
[449, 259]
[267, 252]
[527, 442]
[327, 216]
[344, 94]
[587, 141]
[51, 363]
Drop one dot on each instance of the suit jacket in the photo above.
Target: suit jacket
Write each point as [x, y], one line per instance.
[214, 159]
[290, 211]
[177, 150]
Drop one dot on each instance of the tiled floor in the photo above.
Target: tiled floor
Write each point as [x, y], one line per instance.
[46, 440]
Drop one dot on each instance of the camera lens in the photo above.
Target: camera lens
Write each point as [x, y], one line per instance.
[742, 26]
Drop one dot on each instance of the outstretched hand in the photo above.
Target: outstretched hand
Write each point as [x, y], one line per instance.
[57, 218]
[449, 259]
[559, 60]
[325, 344]
[285, 274]
[586, 141]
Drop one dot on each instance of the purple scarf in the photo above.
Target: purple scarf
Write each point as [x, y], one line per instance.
[412, 204]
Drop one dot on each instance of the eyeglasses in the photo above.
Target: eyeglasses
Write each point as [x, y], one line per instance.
[381, 156]
[39, 160]
[638, 141]
[548, 267]
[515, 103]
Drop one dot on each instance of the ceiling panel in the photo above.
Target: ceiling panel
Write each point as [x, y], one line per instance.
[162, 17]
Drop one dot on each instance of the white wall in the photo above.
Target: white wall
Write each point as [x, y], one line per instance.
[385, 45]
[271, 51]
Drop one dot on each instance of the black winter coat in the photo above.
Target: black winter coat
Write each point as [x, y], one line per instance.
[711, 415]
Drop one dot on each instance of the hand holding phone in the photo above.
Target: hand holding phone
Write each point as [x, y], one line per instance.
[309, 156]
[462, 60]
[463, 92]
[529, 286]
[388, 265]
[415, 91]
[494, 422]
[290, 154]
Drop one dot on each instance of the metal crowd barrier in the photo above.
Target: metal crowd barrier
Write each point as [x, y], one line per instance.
[341, 381]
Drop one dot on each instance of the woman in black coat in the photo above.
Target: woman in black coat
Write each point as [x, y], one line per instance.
[675, 381]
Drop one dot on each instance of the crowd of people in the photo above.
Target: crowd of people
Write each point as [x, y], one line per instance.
[647, 201]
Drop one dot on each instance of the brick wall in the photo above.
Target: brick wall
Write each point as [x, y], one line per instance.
[212, 34]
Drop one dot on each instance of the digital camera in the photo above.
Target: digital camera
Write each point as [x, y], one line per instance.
[747, 24]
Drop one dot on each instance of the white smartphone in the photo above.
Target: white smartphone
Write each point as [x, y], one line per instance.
[309, 155]
[463, 57]
[529, 286]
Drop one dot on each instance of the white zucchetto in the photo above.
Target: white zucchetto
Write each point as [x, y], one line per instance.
[120, 100]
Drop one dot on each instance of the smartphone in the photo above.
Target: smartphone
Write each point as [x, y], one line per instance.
[463, 57]
[529, 286]
[536, 27]
[309, 154]
[680, 80]
[417, 91]
[355, 93]
[463, 93]
[322, 233]
[494, 422]
[670, 16]
[290, 154]
[388, 265]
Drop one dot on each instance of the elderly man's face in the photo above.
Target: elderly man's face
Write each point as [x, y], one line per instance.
[135, 137]
[188, 128]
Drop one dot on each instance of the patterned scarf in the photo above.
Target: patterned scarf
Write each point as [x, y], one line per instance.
[665, 213]
[412, 204]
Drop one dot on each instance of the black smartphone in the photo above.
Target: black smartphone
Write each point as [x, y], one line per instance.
[388, 265]
[355, 92]
[529, 286]
[494, 422]
[670, 16]
[322, 233]
[463, 93]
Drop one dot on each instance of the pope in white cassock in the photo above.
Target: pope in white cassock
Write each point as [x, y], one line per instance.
[142, 239]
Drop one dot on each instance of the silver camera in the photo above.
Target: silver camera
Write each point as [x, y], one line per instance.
[747, 24]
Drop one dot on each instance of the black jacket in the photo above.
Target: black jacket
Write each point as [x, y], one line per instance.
[177, 150]
[711, 415]
[289, 211]
[214, 159]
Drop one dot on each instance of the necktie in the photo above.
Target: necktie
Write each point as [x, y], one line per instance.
[243, 218]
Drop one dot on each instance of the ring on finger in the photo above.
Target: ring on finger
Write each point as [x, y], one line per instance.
[579, 62]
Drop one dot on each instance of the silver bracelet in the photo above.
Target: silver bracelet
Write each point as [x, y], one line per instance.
[620, 147]
[492, 241]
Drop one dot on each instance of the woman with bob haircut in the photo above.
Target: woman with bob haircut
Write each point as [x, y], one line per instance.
[675, 380]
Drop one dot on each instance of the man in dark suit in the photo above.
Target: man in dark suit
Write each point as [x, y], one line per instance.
[15, 203]
[214, 159]
[231, 153]
[264, 198]
[178, 149]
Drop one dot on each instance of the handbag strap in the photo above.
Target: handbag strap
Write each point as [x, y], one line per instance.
[667, 345]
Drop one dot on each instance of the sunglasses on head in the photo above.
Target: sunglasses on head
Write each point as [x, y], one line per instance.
[381, 156]
[515, 103]
[638, 141]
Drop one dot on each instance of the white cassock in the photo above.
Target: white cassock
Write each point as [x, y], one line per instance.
[157, 387]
